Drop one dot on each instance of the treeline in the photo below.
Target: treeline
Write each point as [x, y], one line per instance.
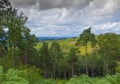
[102, 61]
[17, 49]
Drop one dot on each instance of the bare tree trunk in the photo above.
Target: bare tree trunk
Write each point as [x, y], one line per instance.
[25, 59]
[106, 66]
[70, 74]
[86, 59]
[44, 70]
[59, 74]
[47, 73]
[54, 70]
[100, 72]
[72, 69]
[15, 61]
[93, 70]
[65, 74]
[83, 69]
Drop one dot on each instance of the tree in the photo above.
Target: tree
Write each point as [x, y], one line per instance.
[109, 48]
[2, 41]
[18, 39]
[44, 57]
[73, 59]
[56, 55]
[4, 6]
[15, 24]
[83, 40]
[28, 53]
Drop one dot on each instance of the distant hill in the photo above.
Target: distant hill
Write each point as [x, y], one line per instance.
[66, 44]
[52, 38]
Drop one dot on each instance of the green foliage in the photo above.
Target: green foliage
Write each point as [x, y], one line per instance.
[109, 48]
[23, 75]
[49, 81]
[1, 74]
[73, 60]
[12, 76]
[73, 54]
[55, 51]
[44, 53]
[58, 59]
[32, 74]
[100, 81]
[83, 79]
[109, 45]
[86, 37]
[118, 68]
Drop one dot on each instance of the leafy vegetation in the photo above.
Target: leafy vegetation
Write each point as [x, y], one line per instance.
[26, 60]
[29, 76]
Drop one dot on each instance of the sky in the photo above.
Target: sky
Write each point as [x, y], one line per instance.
[68, 18]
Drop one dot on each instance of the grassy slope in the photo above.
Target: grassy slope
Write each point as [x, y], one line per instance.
[66, 45]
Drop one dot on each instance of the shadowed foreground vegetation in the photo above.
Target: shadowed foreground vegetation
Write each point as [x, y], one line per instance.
[32, 76]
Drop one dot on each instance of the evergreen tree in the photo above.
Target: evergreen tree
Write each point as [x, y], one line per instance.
[109, 46]
[44, 57]
[73, 58]
[56, 55]
[83, 40]
[18, 39]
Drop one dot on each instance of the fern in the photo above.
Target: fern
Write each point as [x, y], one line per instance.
[13, 77]
[1, 74]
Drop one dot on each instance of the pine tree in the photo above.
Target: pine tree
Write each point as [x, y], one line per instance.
[44, 57]
[83, 40]
[73, 58]
[56, 55]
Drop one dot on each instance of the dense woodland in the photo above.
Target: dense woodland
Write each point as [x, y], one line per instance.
[22, 63]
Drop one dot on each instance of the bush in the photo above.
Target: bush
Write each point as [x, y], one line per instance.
[83, 79]
[31, 73]
[28, 75]
[12, 76]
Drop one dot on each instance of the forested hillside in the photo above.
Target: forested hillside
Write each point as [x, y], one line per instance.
[87, 59]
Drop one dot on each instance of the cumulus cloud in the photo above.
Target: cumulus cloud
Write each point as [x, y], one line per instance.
[70, 17]
[48, 4]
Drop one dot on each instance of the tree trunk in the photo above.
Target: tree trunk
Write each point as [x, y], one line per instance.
[59, 74]
[72, 69]
[25, 59]
[54, 70]
[65, 74]
[15, 62]
[107, 70]
[83, 69]
[86, 59]
[70, 74]
[44, 70]
[93, 70]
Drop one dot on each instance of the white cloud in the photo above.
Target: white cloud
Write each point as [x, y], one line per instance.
[107, 27]
[105, 7]
[100, 15]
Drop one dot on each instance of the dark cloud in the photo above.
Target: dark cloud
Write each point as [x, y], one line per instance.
[48, 4]
[23, 3]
